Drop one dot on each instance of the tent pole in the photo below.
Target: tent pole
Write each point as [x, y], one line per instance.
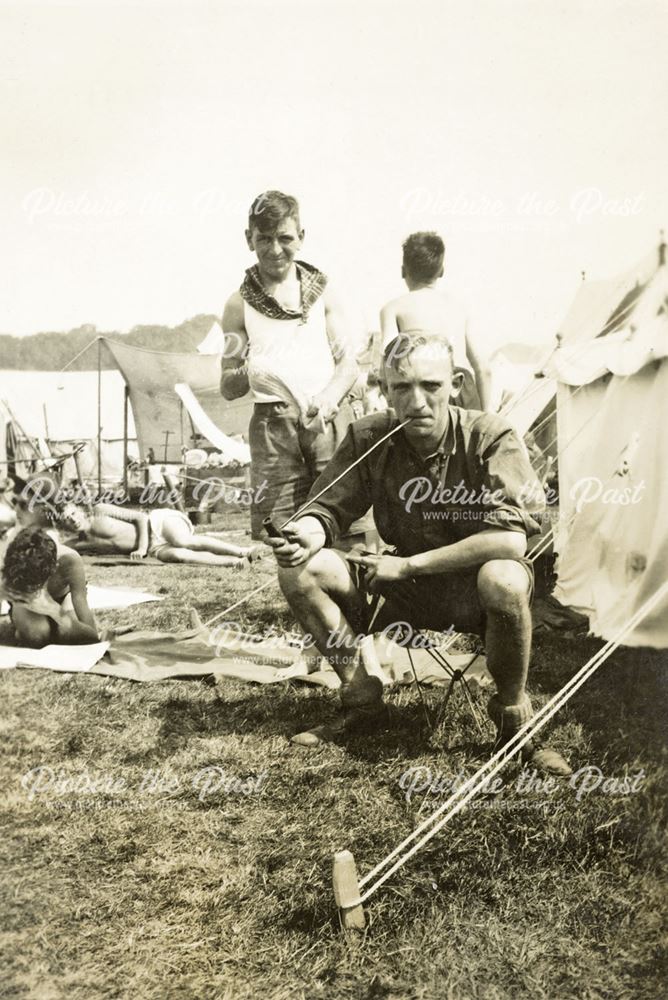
[99, 415]
[126, 393]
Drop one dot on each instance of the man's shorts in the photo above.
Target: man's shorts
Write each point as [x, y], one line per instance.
[442, 602]
[286, 459]
[158, 522]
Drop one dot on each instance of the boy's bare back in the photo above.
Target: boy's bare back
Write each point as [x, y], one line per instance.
[430, 310]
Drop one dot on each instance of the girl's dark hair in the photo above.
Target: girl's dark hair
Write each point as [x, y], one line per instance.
[30, 560]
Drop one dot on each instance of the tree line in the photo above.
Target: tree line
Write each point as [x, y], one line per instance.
[52, 351]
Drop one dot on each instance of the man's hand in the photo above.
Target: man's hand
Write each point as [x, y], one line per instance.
[303, 538]
[383, 569]
[138, 554]
[319, 412]
[38, 601]
[320, 404]
[17, 596]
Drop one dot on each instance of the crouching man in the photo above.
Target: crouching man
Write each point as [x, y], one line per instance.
[454, 494]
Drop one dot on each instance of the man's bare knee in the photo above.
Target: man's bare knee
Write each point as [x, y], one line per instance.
[503, 586]
[298, 580]
[326, 572]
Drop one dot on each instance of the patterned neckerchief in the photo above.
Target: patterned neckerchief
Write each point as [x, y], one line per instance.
[312, 283]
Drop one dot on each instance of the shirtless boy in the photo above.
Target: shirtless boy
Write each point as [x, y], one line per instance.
[425, 307]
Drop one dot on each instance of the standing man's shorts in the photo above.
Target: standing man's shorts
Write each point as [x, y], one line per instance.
[286, 459]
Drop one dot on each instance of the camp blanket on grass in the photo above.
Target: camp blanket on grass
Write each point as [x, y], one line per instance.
[198, 652]
[70, 659]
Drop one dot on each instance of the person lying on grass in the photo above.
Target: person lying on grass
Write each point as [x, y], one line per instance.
[164, 533]
[37, 575]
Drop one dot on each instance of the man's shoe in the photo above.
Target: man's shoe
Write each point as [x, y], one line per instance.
[363, 712]
[355, 721]
[534, 754]
[509, 719]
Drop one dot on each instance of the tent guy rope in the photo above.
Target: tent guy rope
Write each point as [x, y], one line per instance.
[476, 783]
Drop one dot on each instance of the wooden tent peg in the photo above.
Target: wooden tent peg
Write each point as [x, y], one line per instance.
[347, 892]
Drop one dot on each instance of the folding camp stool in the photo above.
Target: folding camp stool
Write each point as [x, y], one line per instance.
[456, 675]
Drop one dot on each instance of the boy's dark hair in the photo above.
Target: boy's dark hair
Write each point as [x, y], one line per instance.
[423, 256]
[270, 208]
[30, 560]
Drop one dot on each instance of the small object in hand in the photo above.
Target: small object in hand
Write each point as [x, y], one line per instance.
[272, 530]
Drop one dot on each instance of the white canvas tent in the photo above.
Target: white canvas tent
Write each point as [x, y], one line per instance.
[214, 342]
[528, 398]
[47, 413]
[55, 410]
[611, 369]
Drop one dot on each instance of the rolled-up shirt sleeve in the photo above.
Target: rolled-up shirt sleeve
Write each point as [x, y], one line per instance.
[347, 499]
[516, 498]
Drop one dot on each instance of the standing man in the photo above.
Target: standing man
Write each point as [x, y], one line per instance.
[288, 341]
[454, 493]
[426, 307]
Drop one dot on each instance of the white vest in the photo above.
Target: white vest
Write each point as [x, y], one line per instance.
[297, 353]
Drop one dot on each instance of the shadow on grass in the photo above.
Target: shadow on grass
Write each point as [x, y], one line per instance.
[407, 735]
[182, 719]
[622, 707]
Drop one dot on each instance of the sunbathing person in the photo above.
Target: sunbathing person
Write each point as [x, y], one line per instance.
[165, 534]
[37, 575]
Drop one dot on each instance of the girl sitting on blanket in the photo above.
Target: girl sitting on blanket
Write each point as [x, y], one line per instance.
[37, 575]
[166, 534]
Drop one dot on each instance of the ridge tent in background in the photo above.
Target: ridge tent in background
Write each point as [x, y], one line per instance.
[214, 342]
[55, 410]
[612, 408]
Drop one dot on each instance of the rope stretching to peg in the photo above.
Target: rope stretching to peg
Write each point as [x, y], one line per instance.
[477, 781]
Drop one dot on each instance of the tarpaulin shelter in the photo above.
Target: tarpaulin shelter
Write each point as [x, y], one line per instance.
[161, 420]
[133, 412]
[214, 342]
[611, 368]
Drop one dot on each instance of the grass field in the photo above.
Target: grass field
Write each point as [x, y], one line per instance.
[152, 889]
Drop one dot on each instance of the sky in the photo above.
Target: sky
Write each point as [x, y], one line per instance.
[134, 136]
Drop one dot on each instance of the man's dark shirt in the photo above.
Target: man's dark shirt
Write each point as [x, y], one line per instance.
[480, 478]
